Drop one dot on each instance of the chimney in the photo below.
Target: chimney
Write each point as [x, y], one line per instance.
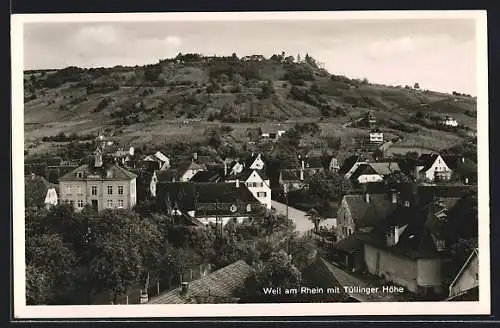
[225, 168]
[463, 159]
[302, 174]
[184, 288]
[195, 156]
[237, 183]
[393, 236]
[367, 197]
[32, 176]
[303, 164]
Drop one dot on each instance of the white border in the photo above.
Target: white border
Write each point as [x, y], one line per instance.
[21, 311]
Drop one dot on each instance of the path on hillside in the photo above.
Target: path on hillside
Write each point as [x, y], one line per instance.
[302, 223]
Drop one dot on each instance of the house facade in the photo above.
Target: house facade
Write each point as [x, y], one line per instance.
[208, 203]
[449, 121]
[256, 162]
[257, 183]
[419, 275]
[468, 276]
[101, 185]
[376, 137]
[433, 167]
[361, 212]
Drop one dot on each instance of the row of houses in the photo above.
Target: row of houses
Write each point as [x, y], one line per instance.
[405, 234]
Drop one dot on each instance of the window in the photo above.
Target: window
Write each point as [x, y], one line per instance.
[120, 203]
[79, 190]
[94, 190]
[79, 175]
[407, 203]
[261, 194]
[249, 208]
[440, 244]
[80, 203]
[72, 203]
[120, 190]
[110, 203]
[68, 190]
[110, 190]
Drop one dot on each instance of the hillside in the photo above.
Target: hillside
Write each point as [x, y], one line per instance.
[183, 96]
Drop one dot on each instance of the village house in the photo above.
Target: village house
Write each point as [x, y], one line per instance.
[39, 192]
[333, 165]
[125, 157]
[467, 279]
[432, 167]
[188, 169]
[449, 121]
[216, 203]
[159, 176]
[156, 161]
[373, 171]
[361, 212]
[102, 184]
[463, 168]
[272, 133]
[376, 136]
[410, 245]
[258, 184]
[255, 162]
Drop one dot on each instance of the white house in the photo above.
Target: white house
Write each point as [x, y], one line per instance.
[374, 172]
[449, 121]
[468, 276]
[334, 164]
[51, 198]
[188, 169]
[376, 137]
[432, 167]
[255, 162]
[256, 182]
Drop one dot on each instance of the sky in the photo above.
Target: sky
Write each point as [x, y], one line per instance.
[439, 54]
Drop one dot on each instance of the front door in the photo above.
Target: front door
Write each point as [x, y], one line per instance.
[94, 204]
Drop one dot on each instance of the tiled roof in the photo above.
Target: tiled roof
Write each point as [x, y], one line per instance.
[245, 174]
[348, 163]
[206, 176]
[370, 213]
[426, 160]
[221, 284]
[88, 172]
[350, 244]
[385, 168]
[187, 194]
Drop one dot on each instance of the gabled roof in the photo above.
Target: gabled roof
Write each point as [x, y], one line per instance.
[385, 168]
[161, 156]
[222, 283]
[245, 174]
[183, 167]
[372, 213]
[426, 160]
[475, 253]
[186, 195]
[251, 159]
[99, 173]
[348, 163]
[206, 176]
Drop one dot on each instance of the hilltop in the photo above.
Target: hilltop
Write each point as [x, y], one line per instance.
[184, 96]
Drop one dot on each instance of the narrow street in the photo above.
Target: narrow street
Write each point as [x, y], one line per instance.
[302, 223]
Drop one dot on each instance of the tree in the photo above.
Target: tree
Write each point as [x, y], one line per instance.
[278, 271]
[116, 262]
[315, 218]
[303, 251]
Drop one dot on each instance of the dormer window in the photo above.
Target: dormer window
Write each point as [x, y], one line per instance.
[79, 174]
[407, 203]
[249, 208]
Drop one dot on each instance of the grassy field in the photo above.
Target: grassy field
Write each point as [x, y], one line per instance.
[155, 111]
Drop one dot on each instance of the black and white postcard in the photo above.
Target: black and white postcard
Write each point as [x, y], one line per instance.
[250, 164]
